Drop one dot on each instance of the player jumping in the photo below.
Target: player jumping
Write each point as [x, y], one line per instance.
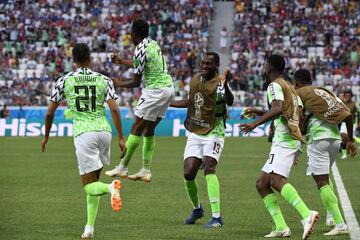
[323, 112]
[206, 116]
[286, 147]
[86, 92]
[149, 66]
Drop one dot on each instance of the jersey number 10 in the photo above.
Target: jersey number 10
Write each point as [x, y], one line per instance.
[85, 98]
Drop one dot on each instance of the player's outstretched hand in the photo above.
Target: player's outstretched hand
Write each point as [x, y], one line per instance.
[247, 127]
[122, 147]
[249, 112]
[43, 143]
[115, 58]
[351, 148]
[227, 76]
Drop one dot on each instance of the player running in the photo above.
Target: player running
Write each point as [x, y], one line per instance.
[286, 147]
[323, 112]
[209, 94]
[86, 92]
[355, 112]
[149, 66]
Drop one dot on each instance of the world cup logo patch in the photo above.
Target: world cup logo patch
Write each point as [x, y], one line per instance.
[198, 102]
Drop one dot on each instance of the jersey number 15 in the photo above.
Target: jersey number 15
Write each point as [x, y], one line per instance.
[85, 98]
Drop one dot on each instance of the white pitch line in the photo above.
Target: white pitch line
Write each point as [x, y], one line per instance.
[349, 214]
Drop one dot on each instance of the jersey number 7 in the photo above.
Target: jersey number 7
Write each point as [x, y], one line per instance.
[85, 98]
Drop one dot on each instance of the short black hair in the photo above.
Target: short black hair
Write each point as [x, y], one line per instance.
[303, 76]
[140, 27]
[348, 91]
[215, 55]
[81, 53]
[277, 62]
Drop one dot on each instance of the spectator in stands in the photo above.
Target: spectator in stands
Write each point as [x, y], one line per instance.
[4, 113]
[223, 39]
[36, 39]
[319, 35]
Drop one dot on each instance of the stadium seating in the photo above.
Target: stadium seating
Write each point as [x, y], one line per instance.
[34, 47]
[326, 40]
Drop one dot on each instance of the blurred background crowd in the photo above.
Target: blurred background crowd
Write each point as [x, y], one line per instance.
[36, 39]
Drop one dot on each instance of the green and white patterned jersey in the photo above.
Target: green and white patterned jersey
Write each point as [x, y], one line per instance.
[317, 129]
[219, 128]
[282, 136]
[149, 62]
[86, 92]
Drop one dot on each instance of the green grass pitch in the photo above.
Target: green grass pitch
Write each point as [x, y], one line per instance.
[41, 196]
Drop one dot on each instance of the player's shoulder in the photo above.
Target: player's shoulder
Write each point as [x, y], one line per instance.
[61, 80]
[274, 86]
[142, 46]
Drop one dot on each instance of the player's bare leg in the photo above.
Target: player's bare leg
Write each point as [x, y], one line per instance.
[330, 202]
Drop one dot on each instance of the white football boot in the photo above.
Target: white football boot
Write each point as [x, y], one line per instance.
[88, 232]
[308, 224]
[338, 231]
[118, 171]
[143, 175]
[277, 234]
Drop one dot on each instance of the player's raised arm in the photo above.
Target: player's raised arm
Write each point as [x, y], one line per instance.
[49, 118]
[350, 145]
[179, 104]
[116, 118]
[229, 97]
[115, 58]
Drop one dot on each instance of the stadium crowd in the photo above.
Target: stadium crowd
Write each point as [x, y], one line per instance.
[36, 39]
[323, 36]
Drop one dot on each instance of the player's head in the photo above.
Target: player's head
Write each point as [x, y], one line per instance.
[81, 54]
[302, 77]
[209, 65]
[139, 31]
[275, 65]
[348, 95]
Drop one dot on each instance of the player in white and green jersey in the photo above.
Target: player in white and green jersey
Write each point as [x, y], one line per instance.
[323, 145]
[150, 69]
[354, 108]
[86, 93]
[284, 151]
[206, 149]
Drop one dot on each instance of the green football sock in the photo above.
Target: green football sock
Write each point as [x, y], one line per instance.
[272, 205]
[97, 188]
[344, 152]
[92, 208]
[148, 151]
[213, 188]
[191, 189]
[131, 144]
[291, 195]
[330, 202]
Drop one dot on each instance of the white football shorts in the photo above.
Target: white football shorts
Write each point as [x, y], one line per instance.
[321, 155]
[199, 146]
[92, 151]
[153, 103]
[281, 160]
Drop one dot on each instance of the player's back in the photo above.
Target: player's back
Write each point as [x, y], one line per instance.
[86, 92]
